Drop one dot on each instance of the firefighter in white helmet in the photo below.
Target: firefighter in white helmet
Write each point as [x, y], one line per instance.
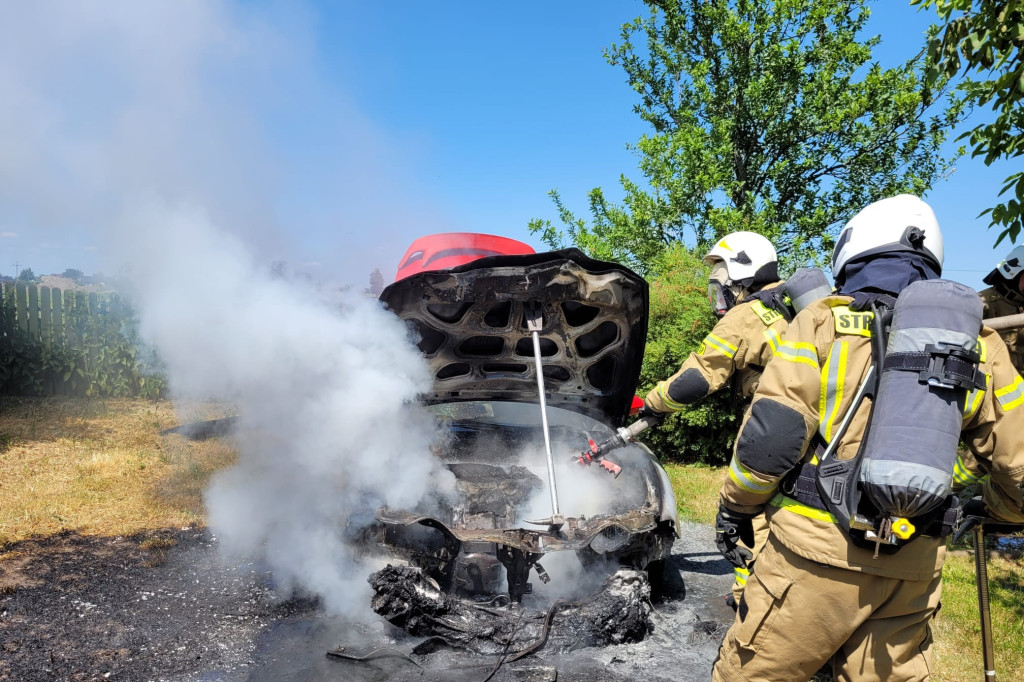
[1005, 296]
[825, 587]
[746, 294]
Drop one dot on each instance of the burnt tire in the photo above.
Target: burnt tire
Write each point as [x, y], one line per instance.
[663, 574]
[667, 582]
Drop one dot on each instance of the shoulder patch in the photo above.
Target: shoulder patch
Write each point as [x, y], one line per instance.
[851, 322]
[767, 315]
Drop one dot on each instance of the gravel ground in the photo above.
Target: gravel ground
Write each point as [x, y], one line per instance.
[84, 608]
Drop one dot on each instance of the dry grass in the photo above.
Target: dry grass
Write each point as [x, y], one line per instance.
[100, 467]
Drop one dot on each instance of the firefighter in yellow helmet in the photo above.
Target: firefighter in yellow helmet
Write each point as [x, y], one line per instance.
[846, 573]
[748, 297]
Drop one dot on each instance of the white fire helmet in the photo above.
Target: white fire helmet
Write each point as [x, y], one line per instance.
[749, 258]
[900, 223]
[1008, 268]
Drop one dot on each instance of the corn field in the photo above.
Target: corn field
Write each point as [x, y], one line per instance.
[62, 342]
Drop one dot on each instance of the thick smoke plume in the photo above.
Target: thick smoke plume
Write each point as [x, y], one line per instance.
[326, 390]
[189, 144]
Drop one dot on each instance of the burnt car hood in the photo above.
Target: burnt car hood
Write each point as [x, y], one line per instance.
[470, 322]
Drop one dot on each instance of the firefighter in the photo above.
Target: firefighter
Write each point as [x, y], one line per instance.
[745, 293]
[1006, 297]
[820, 590]
[1003, 297]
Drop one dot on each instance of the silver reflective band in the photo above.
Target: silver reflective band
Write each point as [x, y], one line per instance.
[896, 473]
[917, 339]
[806, 286]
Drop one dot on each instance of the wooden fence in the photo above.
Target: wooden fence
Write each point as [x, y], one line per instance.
[62, 342]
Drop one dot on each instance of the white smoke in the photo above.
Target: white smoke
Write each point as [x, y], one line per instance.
[142, 129]
[326, 389]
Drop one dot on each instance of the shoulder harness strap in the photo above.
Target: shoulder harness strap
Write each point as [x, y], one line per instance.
[769, 305]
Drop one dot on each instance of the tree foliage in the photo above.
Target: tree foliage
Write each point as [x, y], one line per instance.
[765, 116]
[72, 274]
[26, 275]
[986, 38]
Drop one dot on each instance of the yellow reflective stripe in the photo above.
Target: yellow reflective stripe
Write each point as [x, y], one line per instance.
[773, 339]
[833, 376]
[740, 475]
[740, 575]
[973, 400]
[662, 392]
[963, 475]
[1011, 396]
[798, 351]
[982, 349]
[791, 505]
[726, 348]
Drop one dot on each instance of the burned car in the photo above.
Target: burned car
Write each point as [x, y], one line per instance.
[485, 328]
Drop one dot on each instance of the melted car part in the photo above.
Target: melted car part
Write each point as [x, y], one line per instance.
[620, 612]
[576, 534]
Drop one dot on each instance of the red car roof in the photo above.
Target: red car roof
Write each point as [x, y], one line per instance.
[449, 249]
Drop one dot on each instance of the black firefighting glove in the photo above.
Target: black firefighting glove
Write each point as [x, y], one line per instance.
[646, 411]
[730, 528]
[975, 513]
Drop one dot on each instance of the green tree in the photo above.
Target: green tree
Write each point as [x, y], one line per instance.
[765, 116]
[986, 38]
[72, 274]
[26, 275]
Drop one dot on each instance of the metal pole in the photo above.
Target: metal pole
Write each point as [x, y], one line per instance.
[1006, 322]
[981, 575]
[534, 323]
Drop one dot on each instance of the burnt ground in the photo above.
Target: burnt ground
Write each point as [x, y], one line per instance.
[163, 607]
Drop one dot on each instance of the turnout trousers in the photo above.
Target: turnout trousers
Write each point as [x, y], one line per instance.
[796, 614]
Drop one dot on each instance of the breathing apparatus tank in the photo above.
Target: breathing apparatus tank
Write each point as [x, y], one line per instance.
[930, 364]
[805, 286]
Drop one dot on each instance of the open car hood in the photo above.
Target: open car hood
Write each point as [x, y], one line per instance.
[471, 326]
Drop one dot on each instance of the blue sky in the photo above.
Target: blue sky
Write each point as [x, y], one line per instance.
[508, 100]
[338, 131]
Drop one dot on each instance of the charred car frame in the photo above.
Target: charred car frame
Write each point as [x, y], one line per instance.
[472, 326]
